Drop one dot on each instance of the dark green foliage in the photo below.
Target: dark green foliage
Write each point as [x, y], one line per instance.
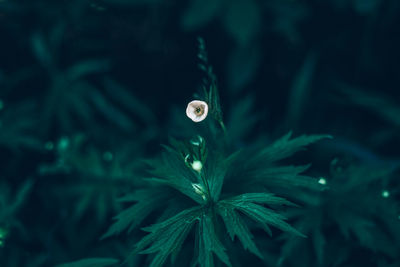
[205, 187]
[90, 89]
[198, 170]
[17, 127]
[357, 207]
[95, 262]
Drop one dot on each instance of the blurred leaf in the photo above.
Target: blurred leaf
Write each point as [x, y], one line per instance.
[200, 12]
[242, 19]
[242, 66]
[126, 99]
[379, 104]
[366, 6]
[18, 127]
[86, 67]
[148, 201]
[300, 92]
[132, 3]
[93, 262]
[288, 15]
[242, 120]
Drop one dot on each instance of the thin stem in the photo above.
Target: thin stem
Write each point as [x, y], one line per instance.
[205, 182]
[221, 123]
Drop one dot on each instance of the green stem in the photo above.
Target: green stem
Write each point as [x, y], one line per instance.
[221, 123]
[205, 182]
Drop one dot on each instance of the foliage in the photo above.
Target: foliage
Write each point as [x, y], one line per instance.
[100, 262]
[89, 90]
[248, 169]
[358, 207]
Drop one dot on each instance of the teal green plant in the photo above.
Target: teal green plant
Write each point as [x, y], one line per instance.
[202, 184]
[9, 207]
[96, 178]
[359, 206]
[17, 126]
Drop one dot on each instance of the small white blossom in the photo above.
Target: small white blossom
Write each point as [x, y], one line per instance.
[197, 110]
[197, 165]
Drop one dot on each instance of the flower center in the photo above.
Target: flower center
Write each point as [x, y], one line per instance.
[199, 110]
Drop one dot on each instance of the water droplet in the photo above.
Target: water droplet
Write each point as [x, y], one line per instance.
[322, 181]
[385, 194]
[63, 143]
[3, 233]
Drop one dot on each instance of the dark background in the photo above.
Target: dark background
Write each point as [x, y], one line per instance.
[88, 88]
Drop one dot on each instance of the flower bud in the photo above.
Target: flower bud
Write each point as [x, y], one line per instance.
[197, 165]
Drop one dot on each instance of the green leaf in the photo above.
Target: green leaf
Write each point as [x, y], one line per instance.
[132, 3]
[286, 147]
[148, 201]
[236, 227]
[285, 176]
[301, 90]
[168, 236]
[209, 243]
[384, 107]
[92, 262]
[247, 204]
[214, 172]
[86, 67]
[241, 119]
[200, 12]
[172, 170]
[242, 19]
[129, 101]
[261, 198]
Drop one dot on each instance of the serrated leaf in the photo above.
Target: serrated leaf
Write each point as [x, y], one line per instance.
[236, 227]
[286, 147]
[261, 214]
[214, 172]
[148, 201]
[167, 237]
[209, 243]
[285, 176]
[261, 198]
[172, 170]
[92, 262]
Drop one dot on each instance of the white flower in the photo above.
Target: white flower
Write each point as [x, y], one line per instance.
[197, 110]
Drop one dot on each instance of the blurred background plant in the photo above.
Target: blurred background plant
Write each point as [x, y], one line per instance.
[88, 89]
